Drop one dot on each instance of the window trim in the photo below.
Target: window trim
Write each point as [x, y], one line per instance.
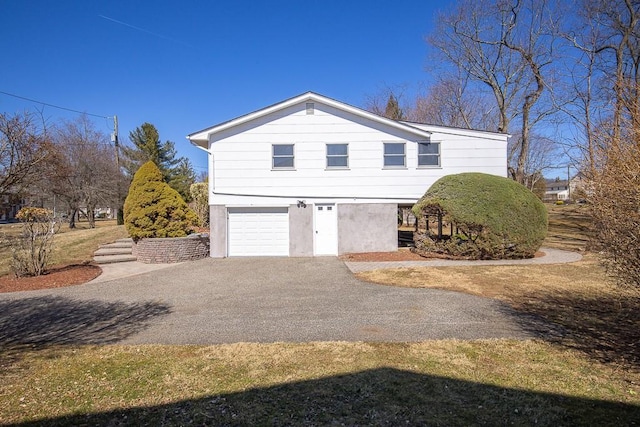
[328, 156]
[403, 155]
[438, 155]
[292, 156]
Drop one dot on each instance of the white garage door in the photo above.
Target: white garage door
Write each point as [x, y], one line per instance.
[258, 232]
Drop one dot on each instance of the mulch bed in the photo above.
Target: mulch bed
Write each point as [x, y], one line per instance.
[383, 256]
[56, 277]
[402, 255]
[76, 274]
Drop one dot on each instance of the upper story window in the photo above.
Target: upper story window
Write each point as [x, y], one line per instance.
[394, 155]
[282, 156]
[337, 156]
[428, 154]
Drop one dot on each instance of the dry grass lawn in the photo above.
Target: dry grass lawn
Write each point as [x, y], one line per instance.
[582, 307]
[584, 369]
[569, 227]
[70, 246]
[449, 382]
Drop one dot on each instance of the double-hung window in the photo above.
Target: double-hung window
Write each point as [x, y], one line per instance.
[337, 156]
[282, 156]
[394, 155]
[428, 154]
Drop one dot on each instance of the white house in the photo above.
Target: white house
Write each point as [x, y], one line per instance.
[559, 189]
[314, 176]
[556, 189]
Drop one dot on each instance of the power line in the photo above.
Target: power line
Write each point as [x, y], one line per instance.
[54, 106]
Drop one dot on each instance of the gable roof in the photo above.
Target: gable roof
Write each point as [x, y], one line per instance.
[201, 138]
[459, 130]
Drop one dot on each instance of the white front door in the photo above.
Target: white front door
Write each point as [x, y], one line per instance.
[326, 230]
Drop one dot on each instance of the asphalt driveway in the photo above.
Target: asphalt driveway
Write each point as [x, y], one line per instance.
[249, 300]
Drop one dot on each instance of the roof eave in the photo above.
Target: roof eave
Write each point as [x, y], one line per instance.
[201, 138]
[202, 144]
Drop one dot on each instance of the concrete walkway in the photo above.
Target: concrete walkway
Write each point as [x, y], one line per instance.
[122, 270]
[551, 256]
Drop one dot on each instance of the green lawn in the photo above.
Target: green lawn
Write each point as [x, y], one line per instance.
[583, 373]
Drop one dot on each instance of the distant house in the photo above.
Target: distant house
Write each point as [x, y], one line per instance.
[10, 204]
[561, 189]
[314, 176]
[557, 189]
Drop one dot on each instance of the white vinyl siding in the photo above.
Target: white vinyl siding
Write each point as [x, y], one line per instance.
[394, 155]
[428, 154]
[283, 157]
[337, 156]
[241, 161]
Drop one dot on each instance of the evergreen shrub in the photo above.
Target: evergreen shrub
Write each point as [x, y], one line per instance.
[153, 209]
[495, 217]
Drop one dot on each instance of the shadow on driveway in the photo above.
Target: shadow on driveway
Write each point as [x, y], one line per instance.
[214, 301]
[45, 321]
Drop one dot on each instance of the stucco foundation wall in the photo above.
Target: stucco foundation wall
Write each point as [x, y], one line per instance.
[300, 230]
[218, 235]
[367, 227]
[173, 249]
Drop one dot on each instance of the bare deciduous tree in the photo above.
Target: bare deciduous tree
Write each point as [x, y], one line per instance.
[614, 195]
[387, 102]
[607, 110]
[506, 46]
[450, 102]
[543, 153]
[606, 78]
[23, 149]
[84, 173]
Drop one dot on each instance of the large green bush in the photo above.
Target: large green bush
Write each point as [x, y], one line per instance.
[153, 209]
[495, 217]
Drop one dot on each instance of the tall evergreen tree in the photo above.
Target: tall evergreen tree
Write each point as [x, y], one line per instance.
[393, 110]
[147, 146]
[182, 177]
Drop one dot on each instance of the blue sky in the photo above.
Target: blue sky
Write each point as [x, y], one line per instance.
[188, 65]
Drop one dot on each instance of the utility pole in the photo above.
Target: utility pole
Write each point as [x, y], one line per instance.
[115, 141]
[114, 138]
[569, 181]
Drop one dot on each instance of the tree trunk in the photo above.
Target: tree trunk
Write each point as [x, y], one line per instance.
[72, 218]
[91, 216]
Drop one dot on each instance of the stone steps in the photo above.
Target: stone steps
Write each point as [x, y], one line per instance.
[110, 259]
[112, 251]
[122, 244]
[119, 251]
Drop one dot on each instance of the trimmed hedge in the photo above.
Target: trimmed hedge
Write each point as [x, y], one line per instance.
[496, 217]
[153, 209]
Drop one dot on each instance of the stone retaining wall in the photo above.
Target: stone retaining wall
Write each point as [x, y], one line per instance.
[172, 249]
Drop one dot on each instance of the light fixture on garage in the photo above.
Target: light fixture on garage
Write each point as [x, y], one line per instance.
[302, 204]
